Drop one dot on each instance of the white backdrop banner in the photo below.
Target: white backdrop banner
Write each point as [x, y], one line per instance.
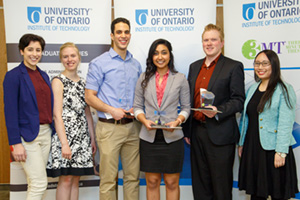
[87, 24]
[254, 25]
[179, 22]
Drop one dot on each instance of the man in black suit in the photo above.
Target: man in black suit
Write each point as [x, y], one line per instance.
[213, 135]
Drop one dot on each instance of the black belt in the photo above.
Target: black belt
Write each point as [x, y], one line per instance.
[201, 123]
[113, 121]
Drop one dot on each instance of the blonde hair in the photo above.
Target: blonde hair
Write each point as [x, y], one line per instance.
[210, 27]
[69, 44]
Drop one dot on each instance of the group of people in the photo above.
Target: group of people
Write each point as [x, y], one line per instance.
[50, 126]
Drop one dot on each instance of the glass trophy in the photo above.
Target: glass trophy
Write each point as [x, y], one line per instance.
[206, 98]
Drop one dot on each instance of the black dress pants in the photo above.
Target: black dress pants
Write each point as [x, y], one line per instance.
[212, 165]
[253, 197]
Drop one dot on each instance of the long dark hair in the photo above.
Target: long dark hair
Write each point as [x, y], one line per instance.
[151, 68]
[275, 79]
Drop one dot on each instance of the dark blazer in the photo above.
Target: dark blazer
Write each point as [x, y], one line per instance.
[20, 105]
[227, 83]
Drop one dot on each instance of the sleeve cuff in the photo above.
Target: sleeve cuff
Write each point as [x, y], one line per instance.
[136, 113]
[185, 114]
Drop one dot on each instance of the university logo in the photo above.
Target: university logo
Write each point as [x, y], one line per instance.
[250, 49]
[248, 11]
[33, 14]
[141, 17]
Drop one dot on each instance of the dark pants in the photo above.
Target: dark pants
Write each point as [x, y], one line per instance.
[212, 165]
[253, 197]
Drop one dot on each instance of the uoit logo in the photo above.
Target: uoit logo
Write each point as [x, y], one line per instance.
[33, 14]
[141, 17]
[248, 11]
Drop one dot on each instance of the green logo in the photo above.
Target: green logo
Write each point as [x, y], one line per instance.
[250, 49]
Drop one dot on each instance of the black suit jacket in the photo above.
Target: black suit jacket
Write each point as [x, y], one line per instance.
[227, 83]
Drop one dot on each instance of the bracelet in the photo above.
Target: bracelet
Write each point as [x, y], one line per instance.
[180, 121]
[282, 155]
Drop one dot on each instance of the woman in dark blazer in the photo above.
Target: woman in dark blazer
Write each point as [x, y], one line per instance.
[28, 105]
[267, 165]
[158, 93]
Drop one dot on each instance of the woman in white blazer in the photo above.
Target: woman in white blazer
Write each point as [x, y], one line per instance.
[158, 93]
[267, 165]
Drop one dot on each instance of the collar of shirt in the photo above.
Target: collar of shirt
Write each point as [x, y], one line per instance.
[114, 54]
[160, 89]
[212, 63]
[165, 76]
[114, 79]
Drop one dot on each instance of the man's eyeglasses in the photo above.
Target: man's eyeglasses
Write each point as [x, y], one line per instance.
[264, 64]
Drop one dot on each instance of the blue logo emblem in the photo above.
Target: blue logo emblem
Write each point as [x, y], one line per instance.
[296, 134]
[141, 17]
[248, 11]
[33, 14]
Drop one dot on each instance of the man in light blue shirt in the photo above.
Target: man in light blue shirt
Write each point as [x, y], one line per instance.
[110, 86]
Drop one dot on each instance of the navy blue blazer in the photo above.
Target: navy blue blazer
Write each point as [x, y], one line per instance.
[20, 105]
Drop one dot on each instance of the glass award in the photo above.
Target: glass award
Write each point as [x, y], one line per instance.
[206, 98]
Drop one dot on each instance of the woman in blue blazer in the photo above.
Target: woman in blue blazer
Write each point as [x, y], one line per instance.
[267, 166]
[158, 93]
[28, 105]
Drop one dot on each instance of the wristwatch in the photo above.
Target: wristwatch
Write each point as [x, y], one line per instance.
[282, 155]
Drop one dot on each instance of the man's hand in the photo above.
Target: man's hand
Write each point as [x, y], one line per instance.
[117, 113]
[187, 140]
[129, 113]
[208, 113]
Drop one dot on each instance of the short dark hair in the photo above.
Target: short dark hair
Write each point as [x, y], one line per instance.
[27, 38]
[116, 21]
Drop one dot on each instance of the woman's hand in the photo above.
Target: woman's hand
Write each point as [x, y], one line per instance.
[172, 124]
[148, 124]
[94, 146]
[240, 150]
[278, 161]
[19, 153]
[66, 151]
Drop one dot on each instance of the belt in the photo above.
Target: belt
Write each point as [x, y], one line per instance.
[201, 123]
[113, 121]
